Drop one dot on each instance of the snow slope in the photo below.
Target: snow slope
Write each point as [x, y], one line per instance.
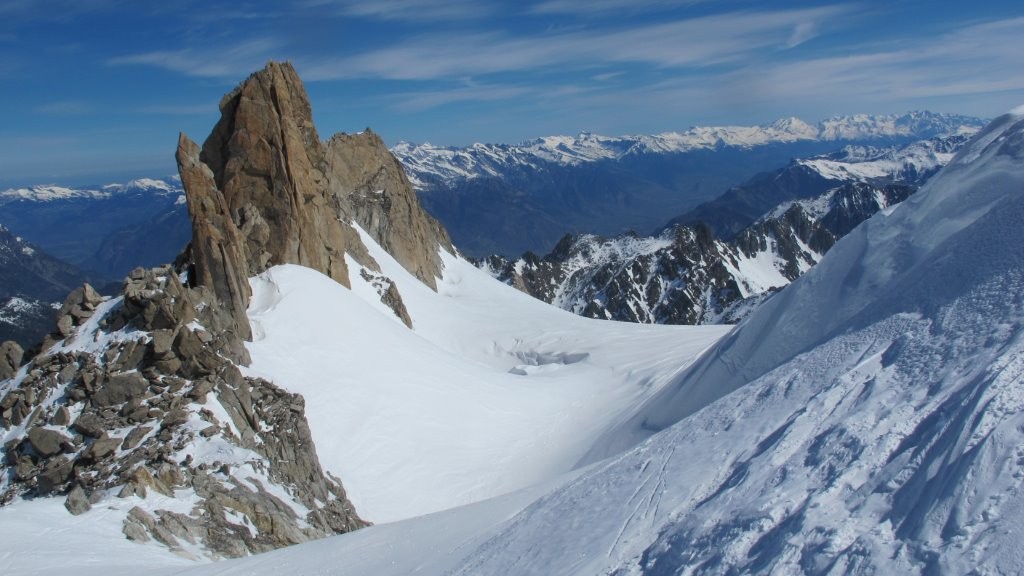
[875, 424]
[492, 391]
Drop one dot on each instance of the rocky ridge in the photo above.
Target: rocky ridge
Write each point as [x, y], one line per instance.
[146, 392]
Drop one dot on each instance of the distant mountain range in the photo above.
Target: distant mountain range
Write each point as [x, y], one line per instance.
[717, 263]
[506, 199]
[108, 230]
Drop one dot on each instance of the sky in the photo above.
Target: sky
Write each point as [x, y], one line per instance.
[96, 91]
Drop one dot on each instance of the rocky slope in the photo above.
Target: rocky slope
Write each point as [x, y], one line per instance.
[146, 394]
[687, 275]
[506, 199]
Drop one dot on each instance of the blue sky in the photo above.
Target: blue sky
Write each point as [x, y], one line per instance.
[97, 90]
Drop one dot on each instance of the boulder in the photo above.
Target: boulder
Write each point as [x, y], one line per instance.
[121, 388]
[11, 355]
[56, 472]
[46, 442]
[89, 424]
[77, 503]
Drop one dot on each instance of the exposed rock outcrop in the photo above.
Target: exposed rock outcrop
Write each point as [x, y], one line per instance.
[161, 406]
[384, 204]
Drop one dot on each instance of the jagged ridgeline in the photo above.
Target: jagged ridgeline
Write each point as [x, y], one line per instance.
[143, 394]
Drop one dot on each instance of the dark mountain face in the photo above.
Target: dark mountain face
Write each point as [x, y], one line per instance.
[32, 285]
[686, 275]
[531, 208]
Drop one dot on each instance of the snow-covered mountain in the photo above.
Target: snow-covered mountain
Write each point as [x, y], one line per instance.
[109, 229]
[685, 275]
[806, 178]
[507, 199]
[428, 165]
[867, 420]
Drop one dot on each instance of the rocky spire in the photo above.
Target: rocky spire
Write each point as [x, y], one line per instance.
[264, 176]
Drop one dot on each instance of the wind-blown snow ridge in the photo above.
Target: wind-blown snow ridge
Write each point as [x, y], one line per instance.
[426, 162]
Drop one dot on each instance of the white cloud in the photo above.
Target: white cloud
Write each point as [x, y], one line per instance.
[697, 42]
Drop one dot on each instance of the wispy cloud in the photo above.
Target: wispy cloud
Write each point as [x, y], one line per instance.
[178, 109]
[419, 11]
[424, 100]
[980, 58]
[962, 67]
[208, 62]
[697, 42]
[64, 108]
[602, 7]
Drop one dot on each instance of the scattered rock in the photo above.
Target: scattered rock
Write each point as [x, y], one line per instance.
[61, 417]
[102, 448]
